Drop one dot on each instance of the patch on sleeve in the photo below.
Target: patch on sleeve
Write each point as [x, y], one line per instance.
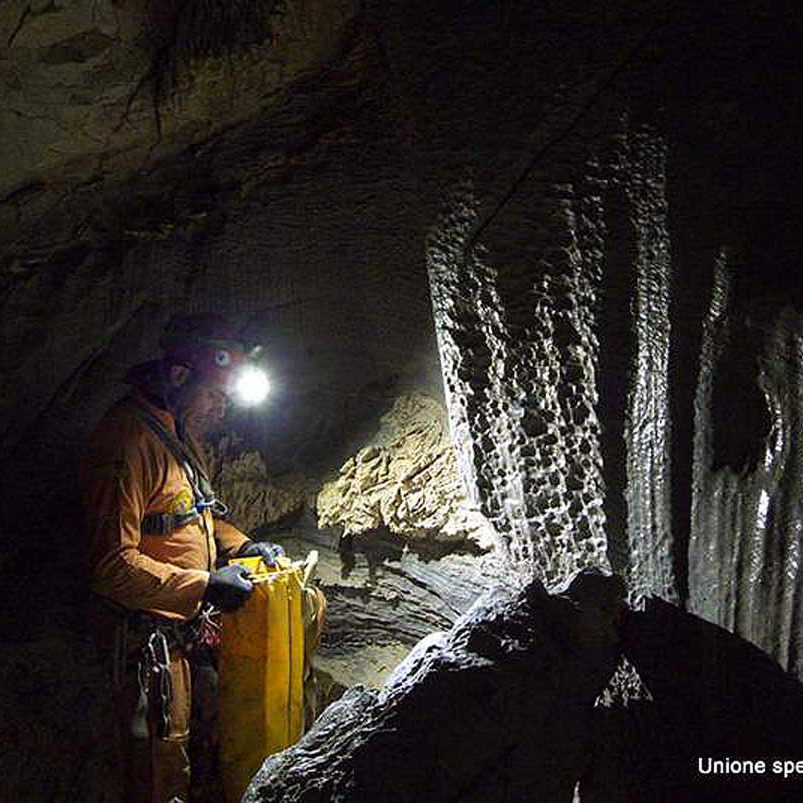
[182, 502]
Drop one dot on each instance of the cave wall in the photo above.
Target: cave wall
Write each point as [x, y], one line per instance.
[565, 208]
[549, 197]
[680, 170]
[555, 321]
[745, 548]
[301, 226]
[734, 191]
[567, 236]
[280, 249]
[401, 551]
[314, 217]
[406, 481]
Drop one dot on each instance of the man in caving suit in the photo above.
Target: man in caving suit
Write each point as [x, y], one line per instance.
[156, 537]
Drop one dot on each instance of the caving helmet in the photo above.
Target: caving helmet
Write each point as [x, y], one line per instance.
[211, 347]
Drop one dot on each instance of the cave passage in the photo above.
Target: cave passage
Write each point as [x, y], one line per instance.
[527, 286]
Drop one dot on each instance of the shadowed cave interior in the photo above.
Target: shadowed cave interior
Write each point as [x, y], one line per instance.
[527, 280]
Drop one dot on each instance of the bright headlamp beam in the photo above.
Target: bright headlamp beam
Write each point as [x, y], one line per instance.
[252, 386]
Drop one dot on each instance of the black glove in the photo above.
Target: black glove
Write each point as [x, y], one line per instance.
[261, 549]
[229, 587]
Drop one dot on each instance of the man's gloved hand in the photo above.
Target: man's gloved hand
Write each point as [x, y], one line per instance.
[229, 587]
[261, 549]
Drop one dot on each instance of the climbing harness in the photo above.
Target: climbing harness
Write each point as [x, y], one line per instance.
[200, 633]
[203, 495]
[195, 638]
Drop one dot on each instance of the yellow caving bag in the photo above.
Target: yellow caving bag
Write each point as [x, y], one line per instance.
[265, 652]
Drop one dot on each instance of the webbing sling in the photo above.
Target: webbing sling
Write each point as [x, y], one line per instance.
[203, 495]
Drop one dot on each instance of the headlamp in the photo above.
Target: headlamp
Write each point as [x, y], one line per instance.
[251, 386]
[212, 348]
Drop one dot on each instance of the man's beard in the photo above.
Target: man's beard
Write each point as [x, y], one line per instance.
[201, 426]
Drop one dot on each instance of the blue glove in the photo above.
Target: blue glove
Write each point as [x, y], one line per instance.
[261, 549]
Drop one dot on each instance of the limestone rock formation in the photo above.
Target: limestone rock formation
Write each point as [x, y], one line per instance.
[510, 686]
[253, 497]
[401, 554]
[383, 599]
[79, 80]
[548, 181]
[406, 481]
[516, 686]
[713, 696]
[745, 566]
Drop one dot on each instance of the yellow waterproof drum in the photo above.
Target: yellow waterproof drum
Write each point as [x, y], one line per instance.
[261, 671]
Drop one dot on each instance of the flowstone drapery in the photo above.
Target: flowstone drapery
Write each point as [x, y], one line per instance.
[745, 562]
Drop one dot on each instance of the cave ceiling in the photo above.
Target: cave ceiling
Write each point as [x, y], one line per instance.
[102, 130]
[88, 94]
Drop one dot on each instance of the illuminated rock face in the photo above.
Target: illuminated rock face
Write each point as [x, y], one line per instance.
[253, 497]
[547, 315]
[406, 481]
[401, 553]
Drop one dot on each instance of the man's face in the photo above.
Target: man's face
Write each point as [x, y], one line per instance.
[201, 407]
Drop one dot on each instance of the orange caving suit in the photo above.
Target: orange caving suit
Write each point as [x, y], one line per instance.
[128, 473]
